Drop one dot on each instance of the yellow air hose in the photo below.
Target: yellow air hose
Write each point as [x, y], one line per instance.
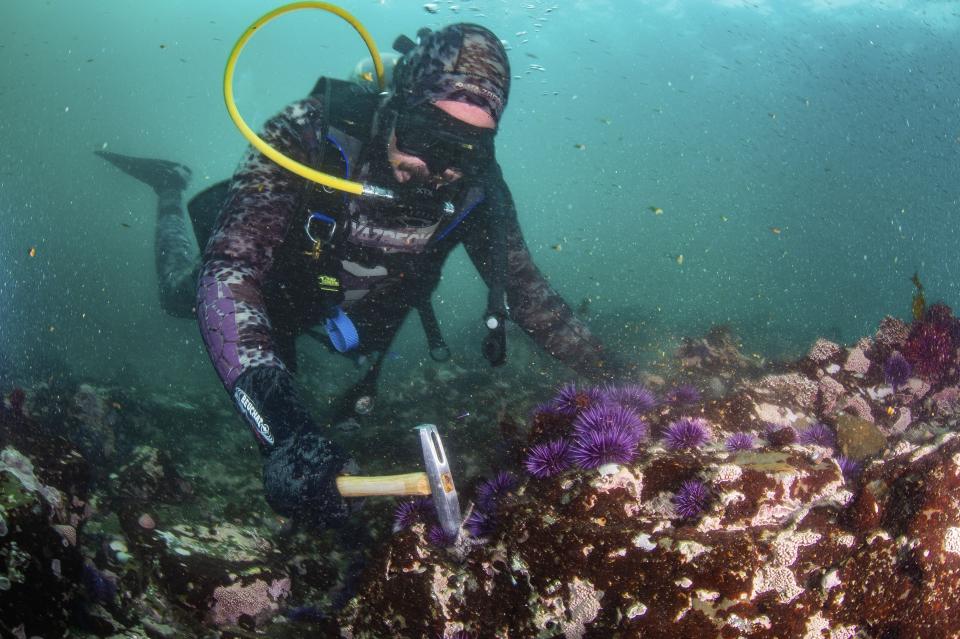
[349, 186]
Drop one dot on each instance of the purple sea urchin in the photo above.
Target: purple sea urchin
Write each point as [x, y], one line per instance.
[739, 441]
[896, 370]
[686, 433]
[570, 400]
[848, 466]
[479, 523]
[612, 445]
[440, 538]
[547, 460]
[608, 416]
[691, 499]
[493, 489]
[819, 434]
[636, 397]
[410, 512]
[779, 435]
[683, 395]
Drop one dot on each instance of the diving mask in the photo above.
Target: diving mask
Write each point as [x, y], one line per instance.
[443, 141]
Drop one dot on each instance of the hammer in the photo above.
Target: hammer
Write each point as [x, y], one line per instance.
[436, 481]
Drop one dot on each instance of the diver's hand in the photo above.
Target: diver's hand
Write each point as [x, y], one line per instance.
[299, 465]
[299, 478]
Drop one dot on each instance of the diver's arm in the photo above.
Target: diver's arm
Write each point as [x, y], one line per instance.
[299, 466]
[534, 305]
[252, 224]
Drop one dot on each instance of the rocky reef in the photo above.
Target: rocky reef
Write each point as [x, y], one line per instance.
[724, 496]
[817, 501]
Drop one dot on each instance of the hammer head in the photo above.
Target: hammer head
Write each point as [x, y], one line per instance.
[437, 467]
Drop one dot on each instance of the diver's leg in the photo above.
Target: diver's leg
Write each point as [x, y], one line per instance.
[176, 255]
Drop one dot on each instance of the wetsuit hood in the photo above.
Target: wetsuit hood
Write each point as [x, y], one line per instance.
[462, 62]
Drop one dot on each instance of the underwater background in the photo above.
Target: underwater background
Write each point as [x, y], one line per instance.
[801, 157]
[735, 195]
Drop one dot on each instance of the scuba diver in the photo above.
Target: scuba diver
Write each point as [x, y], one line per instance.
[284, 255]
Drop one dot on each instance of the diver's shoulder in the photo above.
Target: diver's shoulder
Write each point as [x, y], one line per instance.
[299, 112]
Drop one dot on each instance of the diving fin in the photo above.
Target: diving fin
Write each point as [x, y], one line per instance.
[403, 45]
[158, 174]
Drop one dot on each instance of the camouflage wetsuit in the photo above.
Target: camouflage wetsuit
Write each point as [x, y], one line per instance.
[258, 285]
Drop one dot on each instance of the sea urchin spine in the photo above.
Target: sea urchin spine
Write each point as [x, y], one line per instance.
[547, 460]
[687, 433]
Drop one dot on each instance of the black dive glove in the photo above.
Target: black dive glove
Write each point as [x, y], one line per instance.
[299, 466]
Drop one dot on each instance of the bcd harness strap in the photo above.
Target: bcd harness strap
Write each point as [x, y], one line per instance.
[346, 104]
[322, 229]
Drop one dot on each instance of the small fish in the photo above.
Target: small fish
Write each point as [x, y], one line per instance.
[890, 410]
[163, 46]
[656, 210]
[605, 121]
[580, 147]
[368, 76]
[775, 230]
[724, 218]
[463, 415]
[124, 225]
[557, 247]
[431, 7]
[32, 252]
[679, 259]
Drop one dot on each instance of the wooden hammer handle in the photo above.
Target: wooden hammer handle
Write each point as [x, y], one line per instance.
[409, 484]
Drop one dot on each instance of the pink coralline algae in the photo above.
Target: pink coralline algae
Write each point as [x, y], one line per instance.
[892, 333]
[857, 361]
[258, 600]
[792, 388]
[830, 393]
[823, 351]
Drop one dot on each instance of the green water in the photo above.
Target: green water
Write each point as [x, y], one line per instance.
[804, 155]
